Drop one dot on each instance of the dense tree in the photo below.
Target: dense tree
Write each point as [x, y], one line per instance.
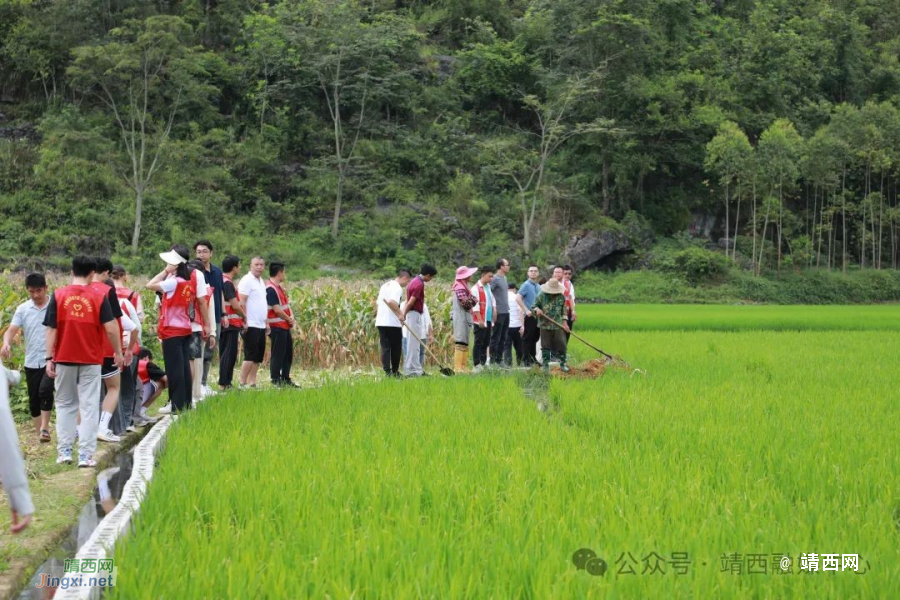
[452, 128]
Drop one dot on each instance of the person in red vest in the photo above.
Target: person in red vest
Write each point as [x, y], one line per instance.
[152, 380]
[483, 317]
[120, 280]
[232, 321]
[79, 324]
[179, 303]
[280, 321]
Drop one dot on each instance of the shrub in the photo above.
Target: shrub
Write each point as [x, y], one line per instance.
[696, 265]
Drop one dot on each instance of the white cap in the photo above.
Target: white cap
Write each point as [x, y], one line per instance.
[173, 258]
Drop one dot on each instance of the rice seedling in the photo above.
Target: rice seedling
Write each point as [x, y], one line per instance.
[736, 449]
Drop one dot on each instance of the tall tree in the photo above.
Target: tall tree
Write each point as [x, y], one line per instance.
[146, 76]
[525, 155]
[780, 152]
[729, 155]
[358, 63]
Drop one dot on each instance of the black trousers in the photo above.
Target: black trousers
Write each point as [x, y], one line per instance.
[228, 353]
[482, 343]
[530, 340]
[499, 334]
[514, 341]
[40, 391]
[282, 356]
[177, 354]
[121, 418]
[391, 341]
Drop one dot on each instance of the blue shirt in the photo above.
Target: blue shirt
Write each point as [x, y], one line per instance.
[529, 291]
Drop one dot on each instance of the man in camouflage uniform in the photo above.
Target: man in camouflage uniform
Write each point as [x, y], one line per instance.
[551, 303]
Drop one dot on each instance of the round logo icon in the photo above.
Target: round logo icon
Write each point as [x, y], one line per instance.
[596, 566]
[581, 557]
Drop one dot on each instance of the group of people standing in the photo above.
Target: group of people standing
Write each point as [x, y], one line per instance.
[84, 350]
[199, 306]
[503, 318]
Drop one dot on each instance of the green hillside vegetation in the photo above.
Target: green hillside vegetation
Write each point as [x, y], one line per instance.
[384, 133]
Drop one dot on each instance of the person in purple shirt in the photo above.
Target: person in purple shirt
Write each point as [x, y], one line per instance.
[412, 317]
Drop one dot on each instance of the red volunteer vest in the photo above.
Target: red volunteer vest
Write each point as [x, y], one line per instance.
[234, 320]
[174, 313]
[273, 319]
[482, 305]
[79, 333]
[567, 294]
[124, 293]
[143, 374]
[103, 289]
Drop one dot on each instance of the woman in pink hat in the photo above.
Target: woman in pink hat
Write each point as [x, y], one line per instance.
[463, 301]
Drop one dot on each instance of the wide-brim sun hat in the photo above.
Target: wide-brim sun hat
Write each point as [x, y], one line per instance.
[465, 272]
[172, 258]
[552, 287]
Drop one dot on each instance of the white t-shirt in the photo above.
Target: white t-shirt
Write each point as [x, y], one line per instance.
[385, 317]
[515, 313]
[130, 321]
[257, 307]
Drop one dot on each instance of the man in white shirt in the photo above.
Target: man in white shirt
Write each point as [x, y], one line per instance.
[390, 327]
[252, 294]
[29, 319]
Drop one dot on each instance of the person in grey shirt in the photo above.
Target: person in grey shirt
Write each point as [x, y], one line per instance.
[12, 467]
[500, 289]
[29, 319]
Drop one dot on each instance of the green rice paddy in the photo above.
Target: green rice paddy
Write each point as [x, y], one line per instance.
[736, 448]
[724, 317]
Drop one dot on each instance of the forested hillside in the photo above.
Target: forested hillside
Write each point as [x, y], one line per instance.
[379, 133]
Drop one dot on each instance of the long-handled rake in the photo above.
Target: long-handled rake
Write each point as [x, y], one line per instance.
[445, 370]
[616, 361]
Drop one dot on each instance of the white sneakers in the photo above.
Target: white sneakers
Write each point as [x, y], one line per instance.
[166, 410]
[208, 391]
[108, 436]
